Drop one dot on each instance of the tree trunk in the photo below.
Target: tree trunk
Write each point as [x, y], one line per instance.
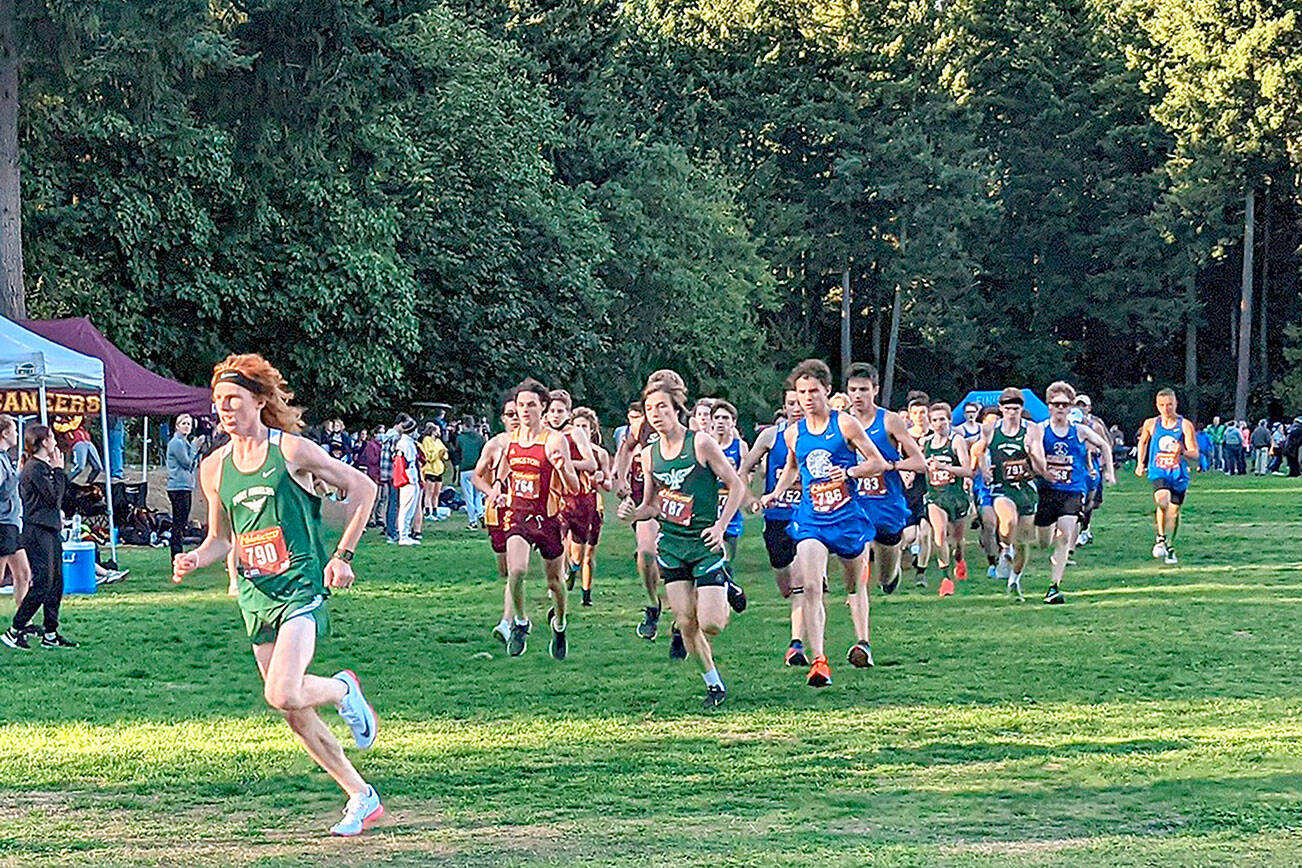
[888, 378]
[847, 349]
[1245, 308]
[1263, 362]
[1191, 343]
[877, 338]
[12, 302]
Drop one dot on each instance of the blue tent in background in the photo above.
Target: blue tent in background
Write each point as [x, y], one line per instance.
[1035, 410]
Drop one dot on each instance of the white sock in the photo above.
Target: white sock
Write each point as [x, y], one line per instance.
[712, 678]
[558, 625]
[523, 622]
[504, 624]
[1015, 577]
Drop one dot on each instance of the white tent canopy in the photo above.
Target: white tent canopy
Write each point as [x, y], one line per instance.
[29, 361]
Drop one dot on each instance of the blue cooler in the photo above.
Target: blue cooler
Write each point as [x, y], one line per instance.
[79, 567]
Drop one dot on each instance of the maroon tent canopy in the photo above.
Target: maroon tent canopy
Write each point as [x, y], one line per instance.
[130, 389]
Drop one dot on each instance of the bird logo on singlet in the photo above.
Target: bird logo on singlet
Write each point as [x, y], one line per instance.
[673, 479]
[819, 463]
[253, 498]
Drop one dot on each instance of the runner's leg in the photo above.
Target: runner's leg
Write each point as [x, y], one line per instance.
[810, 566]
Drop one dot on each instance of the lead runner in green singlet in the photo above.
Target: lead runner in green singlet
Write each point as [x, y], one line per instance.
[686, 471]
[264, 504]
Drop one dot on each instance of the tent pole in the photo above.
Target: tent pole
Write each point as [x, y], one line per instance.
[108, 489]
[45, 419]
[144, 453]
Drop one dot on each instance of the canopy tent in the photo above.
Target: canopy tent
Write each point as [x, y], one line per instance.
[31, 362]
[1036, 410]
[131, 389]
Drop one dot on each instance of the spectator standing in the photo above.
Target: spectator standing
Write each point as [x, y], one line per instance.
[41, 486]
[1232, 443]
[388, 446]
[1292, 443]
[1278, 435]
[183, 457]
[470, 444]
[434, 455]
[338, 444]
[12, 555]
[366, 458]
[406, 480]
[1204, 449]
[84, 453]
[1260, 442]
[1216, 434]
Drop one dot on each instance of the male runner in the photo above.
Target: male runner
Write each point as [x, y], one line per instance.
[487, 478]
[702, 415]
[1167, 445]
[575, 519]
[917, 533]
[1066, 482]
[1016, 454]
[686, 468]
[262, 492]
[948, 464]
[723, 425]
[984, 500]
[823, 451]
[537, 469]
[591, 511]
[771, 448]
[882, 495]
[1094, 497]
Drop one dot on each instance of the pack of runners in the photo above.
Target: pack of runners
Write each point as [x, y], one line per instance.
[841, 477]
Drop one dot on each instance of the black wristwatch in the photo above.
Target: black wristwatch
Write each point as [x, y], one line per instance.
[344, 555]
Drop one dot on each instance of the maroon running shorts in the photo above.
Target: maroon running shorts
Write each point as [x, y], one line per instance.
[541, 532]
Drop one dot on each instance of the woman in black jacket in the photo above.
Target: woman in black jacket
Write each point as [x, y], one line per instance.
[41, 485]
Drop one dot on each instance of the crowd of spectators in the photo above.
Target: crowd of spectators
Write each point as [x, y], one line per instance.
[1237, 448]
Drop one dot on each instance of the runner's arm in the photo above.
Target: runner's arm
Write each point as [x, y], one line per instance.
[964, 467]
[1105, 451]
[790, 472]
[356, 488]
[871, 462]
[623, 462]
[558, 453]
[1141, 448]
[913, 458]
[217, 543]
[1035, 449]
[649, 507]
[587, 462]
[711, 455]
[763, 445]
[1190, 441]
[487, 458]
[603, 465]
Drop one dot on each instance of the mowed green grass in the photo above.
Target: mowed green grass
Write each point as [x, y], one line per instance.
[1154, 719]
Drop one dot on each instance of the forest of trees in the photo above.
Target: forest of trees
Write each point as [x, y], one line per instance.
[406, 199]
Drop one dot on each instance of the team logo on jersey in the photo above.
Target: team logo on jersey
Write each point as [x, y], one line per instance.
[1167, 443]
[819, 463]
[253, 498]
[1060, 448]
[673, 479]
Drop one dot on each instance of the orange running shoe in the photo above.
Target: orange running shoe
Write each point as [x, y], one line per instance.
[960, 570]
[946, 587]
[820, 674]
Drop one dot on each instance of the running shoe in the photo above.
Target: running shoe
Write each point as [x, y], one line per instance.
[714, 697]
[650, 624]
[677, 650]
[1054, 596]
[503, 631]
[889, 587]
[1015, 587]
[587, 596]
[736, 597]
[946, 587]
[795, 655]
[1082, 539]
[1004, 568]
[356, 711]
[861, 655]
[1170, 560]
[920, 580]
[54, 640]
[15, 639]
[362, 811]
[960, 570]
[518, 639]
[1159, 548]
[992, 572]
[558, 646]
[409, 541]
[820, 674]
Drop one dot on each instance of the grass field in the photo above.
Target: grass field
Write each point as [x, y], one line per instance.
[1154, 719]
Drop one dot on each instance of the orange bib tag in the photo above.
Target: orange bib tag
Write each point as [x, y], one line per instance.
[675, 507]
[828, 495]
[262, 552]
[526, 485]
[1016, 470]
[872, 486]
[1168, 460]
[940, 476]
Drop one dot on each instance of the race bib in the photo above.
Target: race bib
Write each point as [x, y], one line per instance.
[828, 495]
[1059, 469]
[790, 497]
[526, 485]
[262, 552]
[872, 486]
[939, 476]
[1016, 470]
[675, 507]
[1167, 460]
